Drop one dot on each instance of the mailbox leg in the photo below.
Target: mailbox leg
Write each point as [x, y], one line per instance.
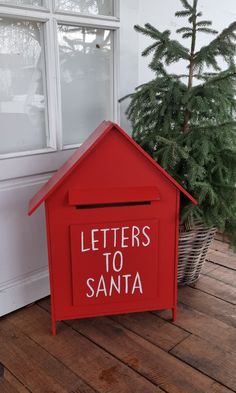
[174, 313]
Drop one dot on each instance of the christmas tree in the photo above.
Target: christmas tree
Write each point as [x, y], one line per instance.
[187, 122]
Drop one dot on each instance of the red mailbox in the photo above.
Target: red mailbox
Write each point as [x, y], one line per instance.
[112, 218]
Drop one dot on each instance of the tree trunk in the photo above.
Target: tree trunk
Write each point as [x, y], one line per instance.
[187, 114]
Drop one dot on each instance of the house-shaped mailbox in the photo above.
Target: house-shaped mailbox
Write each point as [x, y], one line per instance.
[112, 216]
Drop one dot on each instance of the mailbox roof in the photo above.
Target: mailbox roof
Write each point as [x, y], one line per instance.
[103, 129]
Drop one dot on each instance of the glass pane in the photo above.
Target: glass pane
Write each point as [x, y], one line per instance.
[86, 64]
[22, 86]
[93, 7]
[35, 3]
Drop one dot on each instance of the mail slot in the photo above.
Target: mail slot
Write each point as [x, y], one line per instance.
[112, 217]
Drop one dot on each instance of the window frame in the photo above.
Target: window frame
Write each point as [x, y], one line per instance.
[45, 7]
[116, 16]
[50, 20]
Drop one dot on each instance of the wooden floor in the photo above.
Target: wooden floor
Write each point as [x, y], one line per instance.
[138, 353]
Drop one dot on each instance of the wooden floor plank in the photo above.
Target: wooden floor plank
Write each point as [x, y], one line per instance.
[216, 288]
[208, 267]
[222, 246]
[14, 382]
[33, 365]
[223, 274]
[6, 387]
[221, 237]
[208, 305]
[147, 325]
[208, 358]
[217, 388]
[163, 369]
[223, 259]
[99, 369]
[204, 326]
[152, 329]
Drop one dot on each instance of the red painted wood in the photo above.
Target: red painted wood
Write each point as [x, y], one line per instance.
[88, 146]
[174, 309]
[111, 205]
[92, 196]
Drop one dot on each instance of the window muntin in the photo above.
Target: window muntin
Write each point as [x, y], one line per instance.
[86, 79]
[89, 7]
[22, 86]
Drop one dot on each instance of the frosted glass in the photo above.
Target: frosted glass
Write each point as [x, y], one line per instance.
[86, 64]
[93, 7]
[22, 90]
[37, 3]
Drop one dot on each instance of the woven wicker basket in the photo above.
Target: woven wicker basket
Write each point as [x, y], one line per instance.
[193, 247]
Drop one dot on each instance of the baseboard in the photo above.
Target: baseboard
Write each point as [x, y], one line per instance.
[23, 290]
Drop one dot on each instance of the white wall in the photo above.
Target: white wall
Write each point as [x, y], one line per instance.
[161, 14]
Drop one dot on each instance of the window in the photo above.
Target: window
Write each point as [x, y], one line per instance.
[57, 73]
[86, 73]
[22, 86]
[94, 7]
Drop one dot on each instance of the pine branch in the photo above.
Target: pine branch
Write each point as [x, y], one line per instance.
[184, 30]
[187, 35]
[150, 49]
[151, 32]
[223, 75]
[181, 14]
[204, 23]
[186, 5]
[207, 30]
[164, 48]
[199, 14]
[223, 45]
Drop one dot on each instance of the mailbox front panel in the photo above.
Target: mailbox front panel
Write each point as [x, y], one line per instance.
[112, 264]
[111, 260]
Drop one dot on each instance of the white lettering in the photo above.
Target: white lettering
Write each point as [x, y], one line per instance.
[101, 287]
[90, 287]
[106, 255]
[115, 268]
[137, 284]
[94, 241]
[115, 285]
[146, 236]
[126, 277]
[115, 235]
[105, 230]
[82, 243]
[121, 283]
[123, 237]
[135, 234]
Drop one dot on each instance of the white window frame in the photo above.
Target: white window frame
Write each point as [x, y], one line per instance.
[50, 20]
[26, 7]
